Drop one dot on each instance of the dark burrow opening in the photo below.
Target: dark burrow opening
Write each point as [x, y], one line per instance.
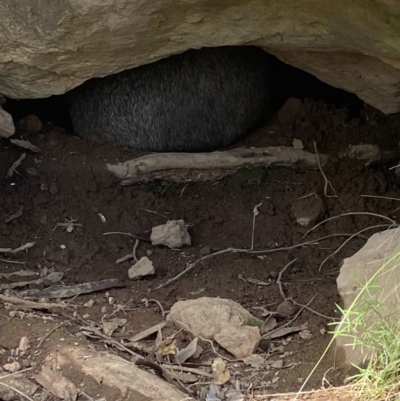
[289, 82]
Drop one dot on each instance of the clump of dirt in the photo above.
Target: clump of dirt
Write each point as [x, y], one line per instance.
[67, 183]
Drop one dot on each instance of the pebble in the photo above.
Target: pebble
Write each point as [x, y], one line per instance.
[205, 251]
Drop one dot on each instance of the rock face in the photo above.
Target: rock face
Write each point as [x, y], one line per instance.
[51, 46]
[380, 304]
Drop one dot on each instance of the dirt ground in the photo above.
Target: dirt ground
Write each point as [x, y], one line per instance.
[67, 181]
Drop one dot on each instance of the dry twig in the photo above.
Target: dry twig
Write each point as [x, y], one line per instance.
[250, 251]
[327, 182]
[350, 214]
[349, 239]
[19, 249]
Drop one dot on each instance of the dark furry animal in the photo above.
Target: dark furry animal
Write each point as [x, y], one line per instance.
[199, 100]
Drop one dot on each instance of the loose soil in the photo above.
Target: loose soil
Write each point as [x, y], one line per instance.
[67, 181]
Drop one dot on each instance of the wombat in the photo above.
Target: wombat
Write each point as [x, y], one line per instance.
[199, 100]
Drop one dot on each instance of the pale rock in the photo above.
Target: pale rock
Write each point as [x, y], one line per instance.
[12, 367]
[354, 273]
[6, 124]
[221, 319]
[240, 341]
[109, 370]
[297, 143]
[173, 234]
[24, 344]
[205, 317]
[142, 268]
[51, 47]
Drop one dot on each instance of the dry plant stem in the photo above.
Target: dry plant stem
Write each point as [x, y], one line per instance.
[17, 391]
[111, 341]
[159, 305]
[293, 318]
[189, 370]
[331, 389]
[134, 250]
[22, 303]
[183, 190]
[348, 240]
[307, 196]
[51, 332]
[19, 249]
[119, 233]
[88, 397]
[250, 251]
[153, 212]
[12, 261]
[327, 182]
[15, 373]
[350, 214]
[302, 306]
[279, 279]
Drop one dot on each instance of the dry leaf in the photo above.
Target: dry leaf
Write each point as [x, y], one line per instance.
[184, 354]
[25, 145]
[168, 349]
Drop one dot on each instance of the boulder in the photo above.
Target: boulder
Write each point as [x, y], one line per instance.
[51, 46]
[379, 304]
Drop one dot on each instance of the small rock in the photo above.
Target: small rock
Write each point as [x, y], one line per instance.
[144, 267]
[24, 344]
[12, 367]
[173, 234]
[289, 112]
[286, 308]
[240, 341]
[297, 143]
[273, 274]
[30, 124]
[205, 251]
[308, 211]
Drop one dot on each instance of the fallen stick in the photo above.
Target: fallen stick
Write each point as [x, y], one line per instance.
[24, 304]
[182, 167]
[19, 249]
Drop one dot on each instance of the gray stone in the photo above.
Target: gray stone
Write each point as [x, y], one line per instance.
[206, 250]
[358, 270]
[173, 234]
[221, 319]
[142, 268]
